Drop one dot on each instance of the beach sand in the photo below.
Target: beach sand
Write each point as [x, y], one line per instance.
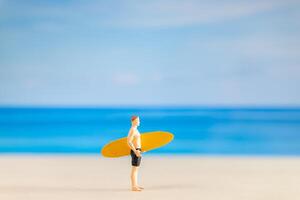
[55, 177]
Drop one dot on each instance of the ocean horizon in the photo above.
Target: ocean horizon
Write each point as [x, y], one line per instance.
[197, 130]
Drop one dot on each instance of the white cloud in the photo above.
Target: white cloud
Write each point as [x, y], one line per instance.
[142, 14]
[125, 79]
[255, 46]
[172, 13]
[130, 78]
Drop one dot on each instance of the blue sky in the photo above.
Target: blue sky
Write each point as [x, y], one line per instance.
[133, 52]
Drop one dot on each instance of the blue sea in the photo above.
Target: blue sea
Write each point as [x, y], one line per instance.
[203, 131]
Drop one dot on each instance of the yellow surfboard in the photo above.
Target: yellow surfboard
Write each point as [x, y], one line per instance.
[149, 140]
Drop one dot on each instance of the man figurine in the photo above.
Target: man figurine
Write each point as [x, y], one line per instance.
[134, 142]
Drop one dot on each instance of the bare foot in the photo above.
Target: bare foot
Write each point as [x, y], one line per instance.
[141, 187]
[136, 188]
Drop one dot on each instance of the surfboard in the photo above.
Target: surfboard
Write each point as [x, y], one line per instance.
[149, 141]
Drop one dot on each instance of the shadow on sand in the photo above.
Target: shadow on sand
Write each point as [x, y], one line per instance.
[171, 186]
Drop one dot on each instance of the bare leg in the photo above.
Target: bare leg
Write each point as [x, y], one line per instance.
[134, 174]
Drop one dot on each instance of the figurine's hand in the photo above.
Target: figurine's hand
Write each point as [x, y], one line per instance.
[138, 153]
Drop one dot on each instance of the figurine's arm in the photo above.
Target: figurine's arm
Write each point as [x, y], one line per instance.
[130, 144]
[130, 139]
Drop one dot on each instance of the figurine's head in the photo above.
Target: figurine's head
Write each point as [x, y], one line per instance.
[135, 120]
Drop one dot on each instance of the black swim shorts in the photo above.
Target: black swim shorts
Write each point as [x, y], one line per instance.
[135, 161]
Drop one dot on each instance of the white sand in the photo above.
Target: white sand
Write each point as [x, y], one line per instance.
[168, 177]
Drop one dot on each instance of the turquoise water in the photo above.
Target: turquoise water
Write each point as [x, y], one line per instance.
[197, 130]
